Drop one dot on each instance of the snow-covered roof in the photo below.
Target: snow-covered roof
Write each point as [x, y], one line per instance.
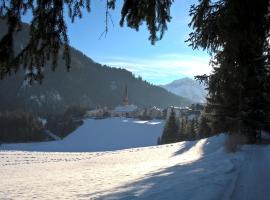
[127, 108]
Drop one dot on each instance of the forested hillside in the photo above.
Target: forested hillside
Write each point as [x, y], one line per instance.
[87, 84]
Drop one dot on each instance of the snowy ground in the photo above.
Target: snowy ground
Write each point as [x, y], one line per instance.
[197, 170]
[253, 178]
[100, 135]
[187, 170]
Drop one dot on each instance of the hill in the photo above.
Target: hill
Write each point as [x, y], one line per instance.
[87, 84]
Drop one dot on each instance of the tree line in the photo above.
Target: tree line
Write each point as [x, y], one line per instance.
[183, 129]
[20, 126]
[24, 126]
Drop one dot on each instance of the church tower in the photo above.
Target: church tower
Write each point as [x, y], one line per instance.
[125, 100]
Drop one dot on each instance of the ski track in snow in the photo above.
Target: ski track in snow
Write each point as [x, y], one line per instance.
[254, 177]
[186, 170]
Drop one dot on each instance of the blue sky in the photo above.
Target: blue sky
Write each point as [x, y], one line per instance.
[167, 60]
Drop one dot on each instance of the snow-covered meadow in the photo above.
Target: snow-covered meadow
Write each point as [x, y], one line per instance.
[197, 170]
[187, 170]
[100, 135]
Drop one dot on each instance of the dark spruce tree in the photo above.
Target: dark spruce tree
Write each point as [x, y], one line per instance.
[204, 129]
[193, 129]
[181, 129]
[169, 134]
[236, 34]
[187, 129]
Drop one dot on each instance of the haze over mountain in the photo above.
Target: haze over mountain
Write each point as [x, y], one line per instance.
[189, 88]
[88, 83]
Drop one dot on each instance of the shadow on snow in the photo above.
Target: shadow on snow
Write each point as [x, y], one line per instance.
[202, 179]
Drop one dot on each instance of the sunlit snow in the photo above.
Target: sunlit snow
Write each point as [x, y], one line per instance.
[194, 170]
[101, 135]
[187, 170]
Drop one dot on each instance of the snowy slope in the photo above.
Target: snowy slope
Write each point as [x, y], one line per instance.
[101, 135]
[187, 170]
[189, 88]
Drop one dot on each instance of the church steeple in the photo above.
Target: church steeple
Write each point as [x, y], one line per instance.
[125, 100]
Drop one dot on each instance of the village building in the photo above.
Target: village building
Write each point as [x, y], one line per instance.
[99, 112]
[126, 109]
[192, 112]
[151, 113]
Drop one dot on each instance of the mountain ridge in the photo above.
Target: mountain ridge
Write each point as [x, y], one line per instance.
[187, 87]
[87, 84]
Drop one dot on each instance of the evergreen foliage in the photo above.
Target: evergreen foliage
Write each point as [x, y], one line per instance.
[64, 124]
[20, 126]
[181, 130]
[204, 129]
[155, 13]
[236, 34]
[76, 112]
[169, 134]
[88, 84]
[188, 129]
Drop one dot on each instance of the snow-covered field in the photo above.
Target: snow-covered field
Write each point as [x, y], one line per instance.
[100, 135]
[196, 170]
[187, 170]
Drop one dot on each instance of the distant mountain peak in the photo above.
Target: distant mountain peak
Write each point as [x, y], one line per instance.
[189, 88]
[183, 80]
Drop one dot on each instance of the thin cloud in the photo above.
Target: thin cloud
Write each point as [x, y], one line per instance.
[162, 68]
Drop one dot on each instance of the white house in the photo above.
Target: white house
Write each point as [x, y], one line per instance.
[125, 110]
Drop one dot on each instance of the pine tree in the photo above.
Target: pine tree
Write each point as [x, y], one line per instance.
[181, 129]
[187, 129]
[169, 134]
[236, 34]
[196, 128]
[203, 127]
[192, 134]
